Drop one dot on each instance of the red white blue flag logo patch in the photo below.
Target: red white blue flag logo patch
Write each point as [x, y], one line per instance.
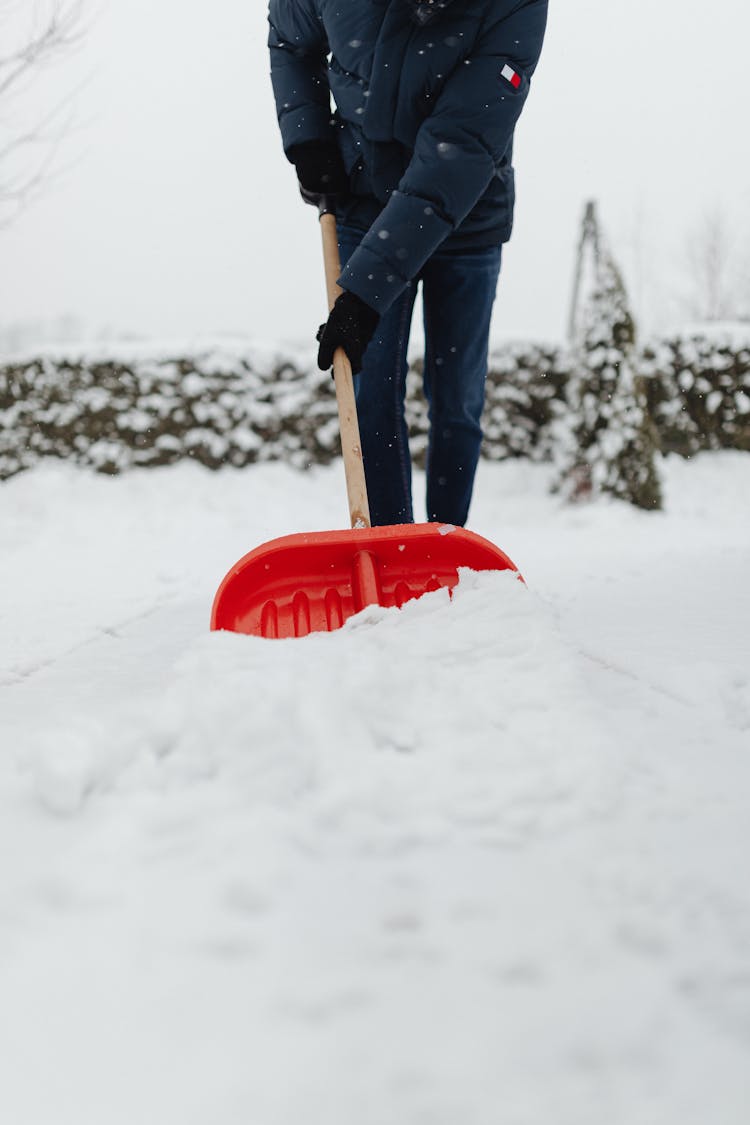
[511, 75]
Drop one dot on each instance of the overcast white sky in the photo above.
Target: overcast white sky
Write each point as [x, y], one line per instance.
[178, 215]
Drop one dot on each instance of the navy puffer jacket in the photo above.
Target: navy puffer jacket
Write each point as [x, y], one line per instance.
[427, 96]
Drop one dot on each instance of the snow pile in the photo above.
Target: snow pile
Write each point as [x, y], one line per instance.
[486, 760]
[479, 860]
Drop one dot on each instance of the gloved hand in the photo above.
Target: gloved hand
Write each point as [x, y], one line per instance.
[350, 325]
[320, 170]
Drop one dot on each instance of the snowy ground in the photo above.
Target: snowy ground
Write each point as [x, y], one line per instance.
[480, 863]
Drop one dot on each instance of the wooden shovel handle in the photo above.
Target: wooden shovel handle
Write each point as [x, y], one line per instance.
[351, 447]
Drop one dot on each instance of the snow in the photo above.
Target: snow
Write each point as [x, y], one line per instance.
[731, 334]
[480, 861]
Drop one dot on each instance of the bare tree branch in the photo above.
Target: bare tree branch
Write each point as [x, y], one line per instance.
[714, 264]
[27, 153]
[62, 31]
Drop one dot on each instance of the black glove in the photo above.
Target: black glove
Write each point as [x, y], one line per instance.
[320, 170]
[350, 326]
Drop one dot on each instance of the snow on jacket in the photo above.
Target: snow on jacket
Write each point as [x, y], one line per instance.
[427, 96]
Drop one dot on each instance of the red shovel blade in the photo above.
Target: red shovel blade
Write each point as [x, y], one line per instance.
[308, 583]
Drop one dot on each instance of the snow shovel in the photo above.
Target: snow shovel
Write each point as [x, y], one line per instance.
[313, 582]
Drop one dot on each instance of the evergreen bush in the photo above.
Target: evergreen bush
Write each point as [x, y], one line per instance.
[613, 443]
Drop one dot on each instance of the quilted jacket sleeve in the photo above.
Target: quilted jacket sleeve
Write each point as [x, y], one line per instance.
[298, 47]
[457, 152]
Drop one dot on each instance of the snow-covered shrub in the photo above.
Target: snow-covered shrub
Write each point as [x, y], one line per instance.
[235, 406]
[216, 407]
[699, 391]
[612, 443]
[525, 401]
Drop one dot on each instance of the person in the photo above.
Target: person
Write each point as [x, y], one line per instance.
[418, 154]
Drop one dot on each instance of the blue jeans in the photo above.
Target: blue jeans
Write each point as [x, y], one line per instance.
[458, 292]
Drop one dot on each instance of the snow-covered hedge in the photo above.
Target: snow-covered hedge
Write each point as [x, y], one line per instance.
[236, 406]
[698, 389]
[525, 401]
[219, 407]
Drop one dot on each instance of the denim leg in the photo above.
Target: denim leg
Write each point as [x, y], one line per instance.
[380, 390]
[458, 294]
